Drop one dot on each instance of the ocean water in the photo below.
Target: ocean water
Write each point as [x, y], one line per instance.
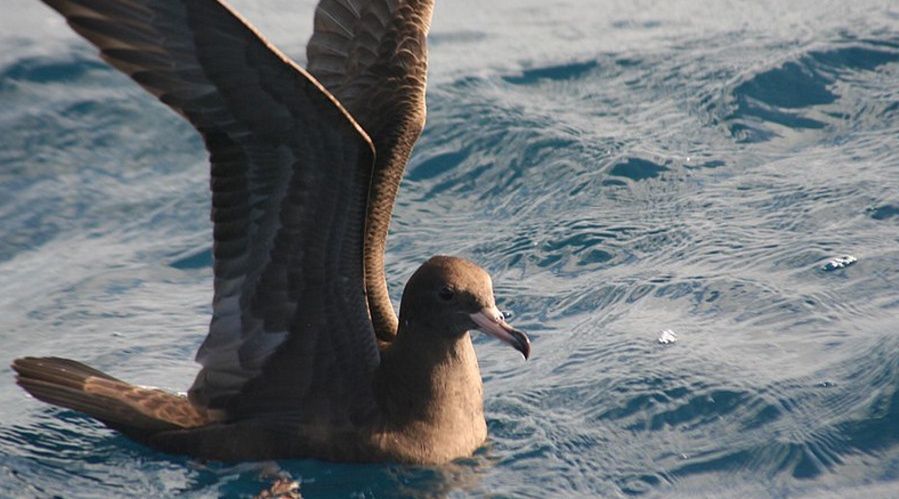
[621, 168]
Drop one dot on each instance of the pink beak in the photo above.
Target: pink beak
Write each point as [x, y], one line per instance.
[491, 321]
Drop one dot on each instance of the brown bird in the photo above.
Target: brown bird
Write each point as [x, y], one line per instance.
[305, 356]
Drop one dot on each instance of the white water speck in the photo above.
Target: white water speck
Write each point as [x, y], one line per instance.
[667, 337]
[839, 262]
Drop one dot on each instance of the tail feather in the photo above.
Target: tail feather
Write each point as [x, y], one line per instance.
[134, 410]
[57, 369]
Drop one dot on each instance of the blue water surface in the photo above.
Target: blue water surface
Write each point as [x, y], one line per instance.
[621, 168]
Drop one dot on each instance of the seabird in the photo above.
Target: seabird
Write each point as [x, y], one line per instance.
[305, 356]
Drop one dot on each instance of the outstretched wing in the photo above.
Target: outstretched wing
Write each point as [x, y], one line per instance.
[372, 55]
[290, 177]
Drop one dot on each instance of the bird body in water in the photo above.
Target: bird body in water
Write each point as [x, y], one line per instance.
[305, 356]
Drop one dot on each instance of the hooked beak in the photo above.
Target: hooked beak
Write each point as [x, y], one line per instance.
[490, 321]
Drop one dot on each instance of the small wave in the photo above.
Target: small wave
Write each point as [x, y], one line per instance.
[805, 427]
[553, 73]
[801, 93]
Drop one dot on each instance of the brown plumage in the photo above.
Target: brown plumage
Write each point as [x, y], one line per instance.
[116, 403]
[305, 356]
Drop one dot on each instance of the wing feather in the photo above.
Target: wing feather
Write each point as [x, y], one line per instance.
[290, 171]
[372, 55]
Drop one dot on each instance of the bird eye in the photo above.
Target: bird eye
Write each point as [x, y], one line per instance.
[446, 293]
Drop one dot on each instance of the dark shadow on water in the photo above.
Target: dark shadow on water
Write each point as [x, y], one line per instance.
[883, 212]
[715, 163]
[637, 169]
[436, 165]
[791, 86]
[193, 260]
[43, 70]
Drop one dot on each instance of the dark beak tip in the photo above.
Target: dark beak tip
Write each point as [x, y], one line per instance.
[524, 343]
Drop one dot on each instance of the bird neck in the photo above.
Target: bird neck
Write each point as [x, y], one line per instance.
[430, 379]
